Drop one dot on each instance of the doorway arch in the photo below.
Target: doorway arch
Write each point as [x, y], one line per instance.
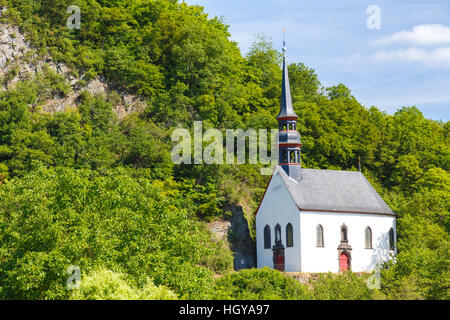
[344, 262]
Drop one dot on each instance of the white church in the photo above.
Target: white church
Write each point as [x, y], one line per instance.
[313, 220]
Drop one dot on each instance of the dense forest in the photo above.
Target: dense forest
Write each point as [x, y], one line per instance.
[85, 187]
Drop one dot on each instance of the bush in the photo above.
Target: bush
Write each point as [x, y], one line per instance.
[260, 284]
[346, 286]
[221, 260]
[105, 284]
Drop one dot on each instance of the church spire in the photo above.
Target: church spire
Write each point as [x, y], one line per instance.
[286, 109]
[289, 139]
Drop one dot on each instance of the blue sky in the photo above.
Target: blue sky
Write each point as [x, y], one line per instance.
[405, 62]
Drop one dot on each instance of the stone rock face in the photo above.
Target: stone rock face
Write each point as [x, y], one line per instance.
[219, 228]
[236, 231]
[12, 45]
[242, 244]
[18, 60]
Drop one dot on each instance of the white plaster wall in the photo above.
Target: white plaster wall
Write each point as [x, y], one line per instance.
[316, 259]
[278, 207]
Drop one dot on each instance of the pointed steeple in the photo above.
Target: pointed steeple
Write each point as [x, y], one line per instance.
[289, 144]
[286, 109]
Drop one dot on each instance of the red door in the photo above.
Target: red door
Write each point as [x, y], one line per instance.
[279, 262]
[343, 262]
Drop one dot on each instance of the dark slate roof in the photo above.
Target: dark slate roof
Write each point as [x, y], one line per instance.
[334, 191]
[286, 109]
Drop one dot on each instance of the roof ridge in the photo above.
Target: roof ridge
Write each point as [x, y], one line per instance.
[334, 170]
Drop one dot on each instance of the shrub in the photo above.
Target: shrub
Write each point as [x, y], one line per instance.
[105, 284]
[265, 283]
[345, 286]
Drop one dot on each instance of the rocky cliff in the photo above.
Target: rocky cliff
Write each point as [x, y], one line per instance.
[20, 61]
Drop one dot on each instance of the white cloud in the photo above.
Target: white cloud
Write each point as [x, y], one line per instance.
[387, 80]
[425, 34]
[439, 57]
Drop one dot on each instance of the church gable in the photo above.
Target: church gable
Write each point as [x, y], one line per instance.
[278, 227]
[276, 193]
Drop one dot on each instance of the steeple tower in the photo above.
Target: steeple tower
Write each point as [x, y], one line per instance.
[289, 139]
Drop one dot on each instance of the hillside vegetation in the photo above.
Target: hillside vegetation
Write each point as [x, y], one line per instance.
[83, 187]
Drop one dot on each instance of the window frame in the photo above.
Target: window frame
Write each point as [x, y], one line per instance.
[267, 237]
[368, 231]
[322, 238]
[285, 156]
[289, 236]
[391, 239]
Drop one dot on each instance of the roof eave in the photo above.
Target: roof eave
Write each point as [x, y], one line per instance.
[347, 211]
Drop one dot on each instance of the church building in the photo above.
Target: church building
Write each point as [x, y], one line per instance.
[312, 220]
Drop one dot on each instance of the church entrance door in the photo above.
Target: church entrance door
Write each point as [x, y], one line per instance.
[279, 262]
[343, 262]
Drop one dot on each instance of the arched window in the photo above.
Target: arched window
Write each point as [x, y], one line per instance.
[319, 236]
[391, 239]
[292, 154]
[285, 157]
[266, 237]
[277, 233]
[368, 238]
[289, 235]
[344, 232]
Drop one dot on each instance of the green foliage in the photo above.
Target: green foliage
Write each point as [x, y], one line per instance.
[4, 172]
[53, 218]
[338, 92]
[222, 259]
[263, 284]
[304, 82]
[206, 199]
[421, 268]
[346, 286]
[53, 82]
[109, 285]
[146, 147]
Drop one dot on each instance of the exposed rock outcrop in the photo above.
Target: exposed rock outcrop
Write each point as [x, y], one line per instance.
[12, 46]
[237, 231]
[19, 61]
